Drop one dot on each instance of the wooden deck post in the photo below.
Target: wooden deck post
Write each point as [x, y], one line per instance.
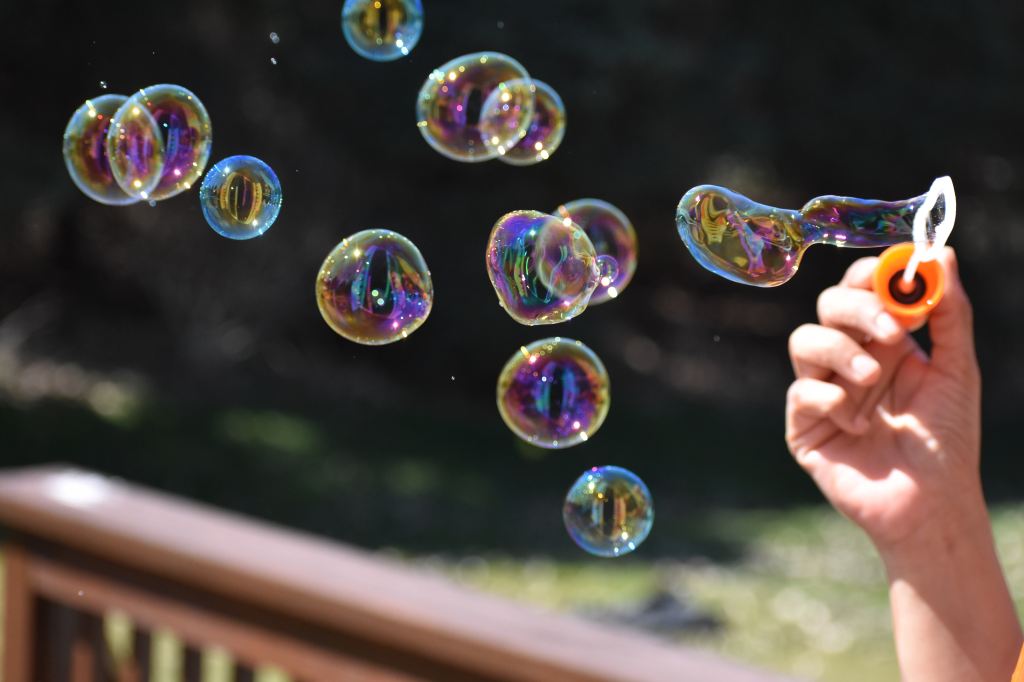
[19, 616]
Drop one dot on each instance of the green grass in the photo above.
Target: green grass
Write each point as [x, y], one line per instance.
[808, 597]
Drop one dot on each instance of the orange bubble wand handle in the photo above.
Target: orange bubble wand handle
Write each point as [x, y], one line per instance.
[909, 302]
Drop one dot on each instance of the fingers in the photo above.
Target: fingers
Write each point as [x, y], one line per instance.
[951, 325]
[808, 401]
[845, 307]
[819, 352]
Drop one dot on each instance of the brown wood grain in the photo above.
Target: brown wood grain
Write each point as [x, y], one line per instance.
[330, 587]
[19, 615]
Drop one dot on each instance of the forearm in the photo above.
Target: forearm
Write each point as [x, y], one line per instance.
[953, 616]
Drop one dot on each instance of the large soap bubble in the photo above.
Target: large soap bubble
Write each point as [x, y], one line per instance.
[451, 112]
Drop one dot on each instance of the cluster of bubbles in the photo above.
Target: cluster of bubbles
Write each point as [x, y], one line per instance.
[548, 268]
[555, 393]
[374, 288]
[485, 106]
[382, 30]
[154, 145]
[608, 511]
[150, 146]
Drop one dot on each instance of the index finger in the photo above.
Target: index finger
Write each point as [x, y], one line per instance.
[858, 275]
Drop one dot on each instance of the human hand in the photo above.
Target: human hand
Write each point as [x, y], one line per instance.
[890, 436]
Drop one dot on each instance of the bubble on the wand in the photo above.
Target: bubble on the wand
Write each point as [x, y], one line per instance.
[554, 393]
[185, 131]
[382, 30]
[374, 288]
[543, 268]
[545, 132]
[612, 234]
[503, 112]
[240, 197]
[450, 104]
[608, 511]
[85, 151]
[762, 245]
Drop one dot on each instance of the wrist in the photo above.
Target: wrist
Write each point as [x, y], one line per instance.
[956, 531]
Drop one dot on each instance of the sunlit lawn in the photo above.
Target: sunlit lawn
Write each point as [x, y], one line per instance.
[808, 597]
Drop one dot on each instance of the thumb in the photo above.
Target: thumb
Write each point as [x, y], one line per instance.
[951, 325]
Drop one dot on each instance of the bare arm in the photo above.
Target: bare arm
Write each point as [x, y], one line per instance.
[892, 438]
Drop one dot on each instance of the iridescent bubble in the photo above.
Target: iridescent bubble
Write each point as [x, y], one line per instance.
[544, 269]
[546, 130]
[374, 288]
[608, 511]
[240, 197]
[450, 110]
[382, 30]
[85, 150]
[762, 245]
[554, 393]
[185, 130]
[613, 235]
[135, 148]
[503, 112]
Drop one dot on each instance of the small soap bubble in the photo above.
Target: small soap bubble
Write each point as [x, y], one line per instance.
[103, 84]
[374, 288]
[501, 25]
[544, 269]
[546, 129]
[274, 38]
[240, 197]
[458, 118]
[185, 131]
[612, 234]
[554, 393]
[608, 511]
[382, 30]
[273, 60]
[85, 151]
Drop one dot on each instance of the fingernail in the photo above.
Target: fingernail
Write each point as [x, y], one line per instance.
[886, 324]
[863, 366]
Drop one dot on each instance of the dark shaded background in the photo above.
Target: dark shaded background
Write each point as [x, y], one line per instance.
[138, 342]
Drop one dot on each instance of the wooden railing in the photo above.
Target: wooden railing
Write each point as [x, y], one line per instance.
[80, 547]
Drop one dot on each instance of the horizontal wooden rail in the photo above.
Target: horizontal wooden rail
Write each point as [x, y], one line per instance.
[316, 609]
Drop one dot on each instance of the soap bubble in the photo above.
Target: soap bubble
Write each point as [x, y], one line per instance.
[554, 393]
[85, 151]
[608, 511]
[752, 243]
[135, 148]
[451, 113]
[185, 130]
[374, 288]
[240, 197]
[382, 30]
[613, 235]
[546, 130]
[544, 269]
